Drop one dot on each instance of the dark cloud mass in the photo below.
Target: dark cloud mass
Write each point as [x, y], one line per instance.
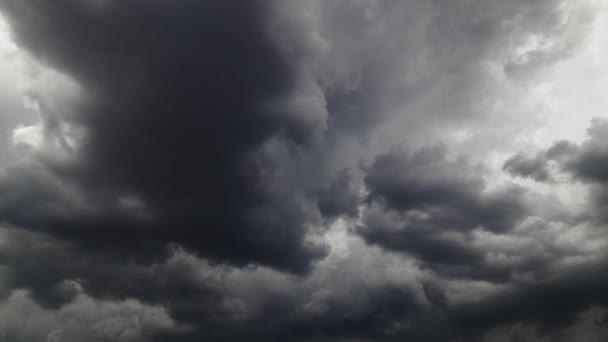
[426, 205]
[296, 171]
[450, 194]
[184, 97]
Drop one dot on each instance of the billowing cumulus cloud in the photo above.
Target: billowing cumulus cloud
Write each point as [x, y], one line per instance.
[302, 171]
[177, 125]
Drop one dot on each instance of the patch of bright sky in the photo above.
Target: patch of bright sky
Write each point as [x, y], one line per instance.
[574, 91]
[29, 93]
[13, 70]
[568, 95]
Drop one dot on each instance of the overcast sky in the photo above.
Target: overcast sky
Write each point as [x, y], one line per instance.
[303, 170]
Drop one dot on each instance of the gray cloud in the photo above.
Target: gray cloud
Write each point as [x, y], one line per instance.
[535, 168]
[175, 125]
[341, 197]
[441, 192]
[585, 163]
[223, 171]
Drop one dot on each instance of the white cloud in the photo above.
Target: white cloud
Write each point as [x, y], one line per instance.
[30, 137]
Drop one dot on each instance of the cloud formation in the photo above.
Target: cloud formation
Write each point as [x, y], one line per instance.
[297, 171]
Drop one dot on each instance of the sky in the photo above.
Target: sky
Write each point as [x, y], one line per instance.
[303, 170]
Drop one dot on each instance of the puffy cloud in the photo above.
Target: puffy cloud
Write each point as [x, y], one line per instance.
[584, 162]
[535, 168]
[436, 191]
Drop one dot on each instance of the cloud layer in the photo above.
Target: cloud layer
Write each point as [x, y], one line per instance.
[298, 171]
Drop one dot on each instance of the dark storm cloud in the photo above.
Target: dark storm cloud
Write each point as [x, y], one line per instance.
[552, 304]
[181, 98]
[422, 240]
[206, 298]
[446, 193]
[426, 205]
[209, 298]
[214, 146]
[447, 255]
[57, 273]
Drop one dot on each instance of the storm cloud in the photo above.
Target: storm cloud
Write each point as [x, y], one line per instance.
[302, 171]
